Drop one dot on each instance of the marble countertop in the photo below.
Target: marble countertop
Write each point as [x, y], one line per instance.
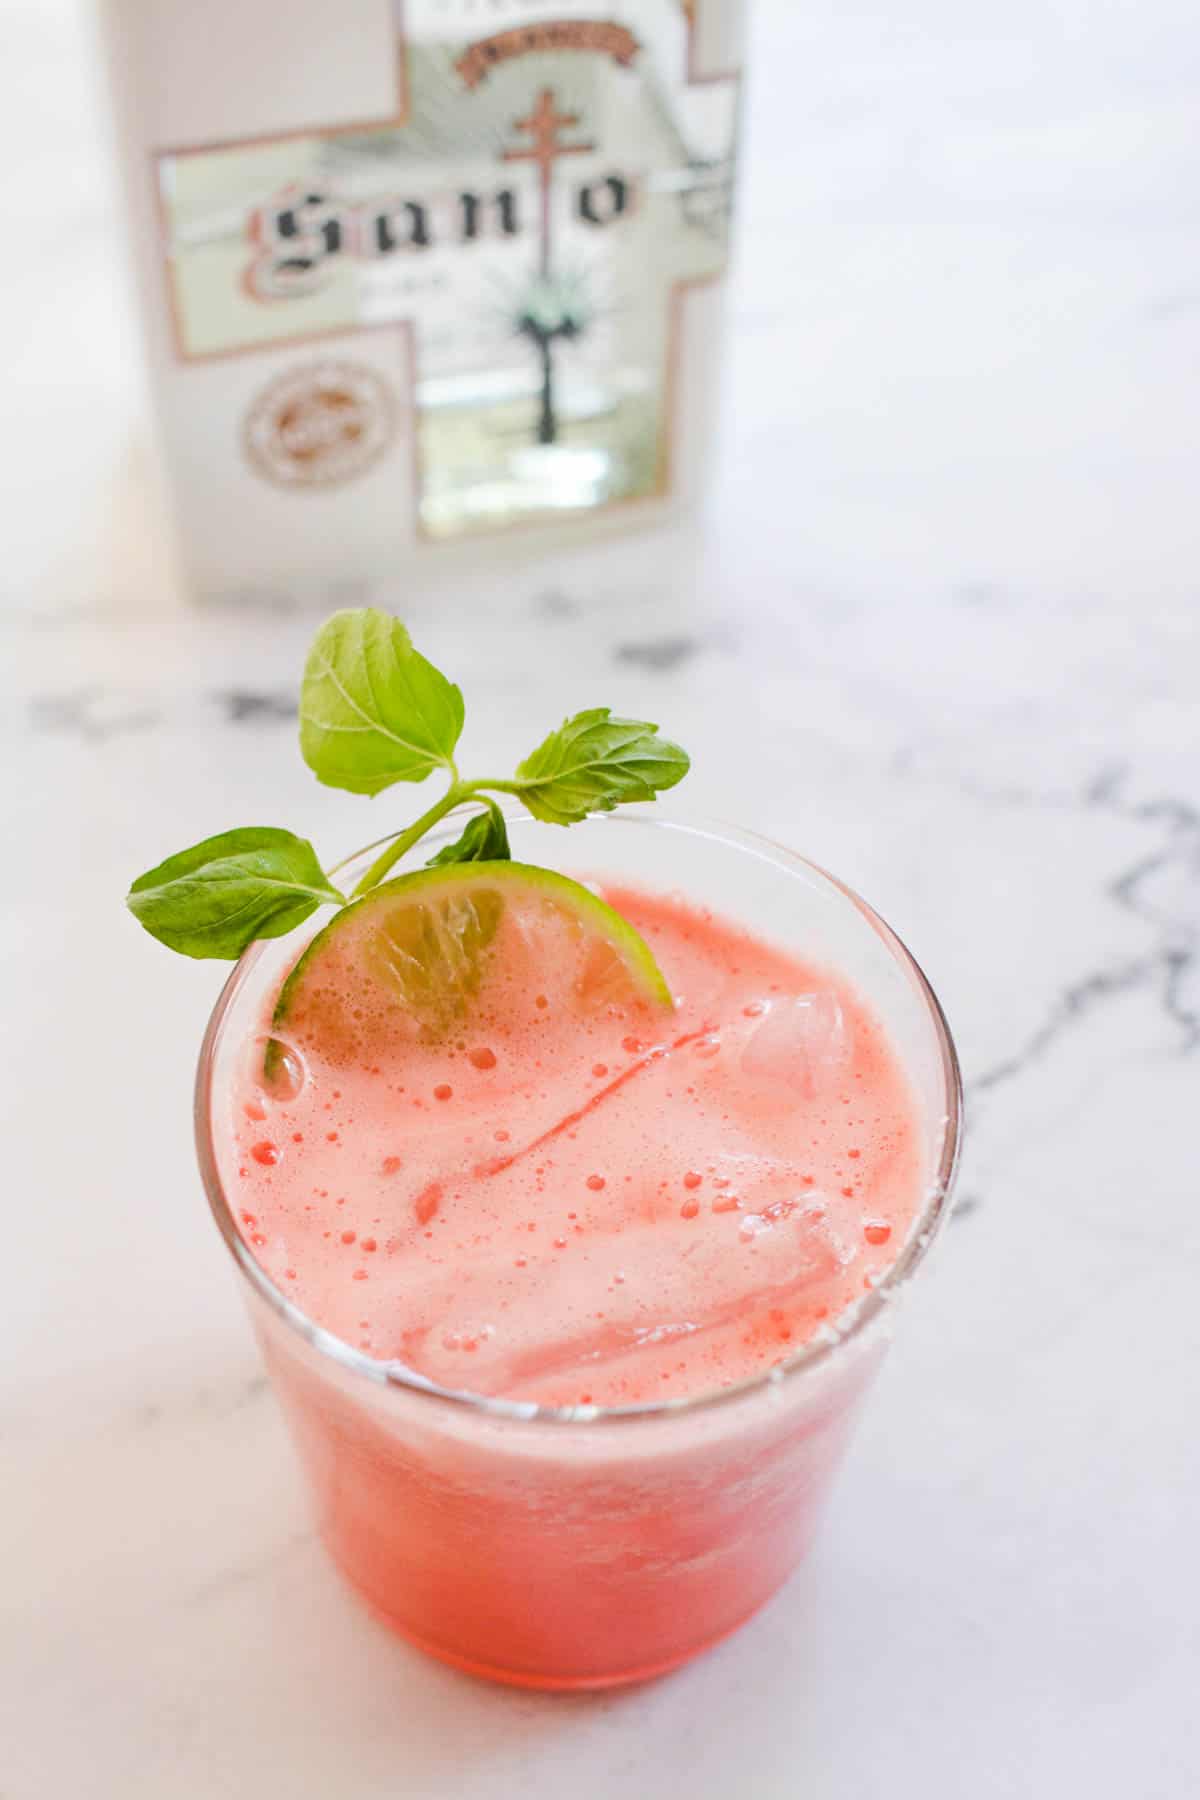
[938, 628]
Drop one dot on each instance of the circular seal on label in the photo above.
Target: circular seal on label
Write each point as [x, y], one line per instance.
[319, 425]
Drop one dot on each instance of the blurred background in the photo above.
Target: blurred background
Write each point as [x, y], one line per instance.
[934, 624]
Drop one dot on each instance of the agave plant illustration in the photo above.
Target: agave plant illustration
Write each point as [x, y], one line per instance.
[551, 309]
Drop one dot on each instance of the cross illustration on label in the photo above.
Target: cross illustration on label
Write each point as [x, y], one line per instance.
[544, 322]
[543, 125]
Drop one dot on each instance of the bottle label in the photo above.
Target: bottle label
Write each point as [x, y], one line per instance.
[526, 224]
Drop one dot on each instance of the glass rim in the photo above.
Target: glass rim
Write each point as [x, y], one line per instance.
[852, 1325]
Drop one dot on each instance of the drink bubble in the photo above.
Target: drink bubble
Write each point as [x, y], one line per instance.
[284, 1072]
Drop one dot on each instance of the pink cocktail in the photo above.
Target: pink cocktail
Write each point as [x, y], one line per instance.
[570, 1311]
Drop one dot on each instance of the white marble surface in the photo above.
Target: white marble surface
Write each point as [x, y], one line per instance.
[939, 629]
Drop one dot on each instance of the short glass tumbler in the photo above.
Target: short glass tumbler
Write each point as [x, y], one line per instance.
[583, 1547]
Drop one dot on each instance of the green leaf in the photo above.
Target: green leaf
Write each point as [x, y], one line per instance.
[594, 762]
[217, 897]
[372, 710]
[484, 839]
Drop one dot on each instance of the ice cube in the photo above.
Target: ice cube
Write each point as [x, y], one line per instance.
[799, 1040]
[507, 1326]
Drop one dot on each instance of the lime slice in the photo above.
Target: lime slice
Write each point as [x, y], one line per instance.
[416, 956]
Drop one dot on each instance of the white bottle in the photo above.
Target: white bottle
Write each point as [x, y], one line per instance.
[417, 272]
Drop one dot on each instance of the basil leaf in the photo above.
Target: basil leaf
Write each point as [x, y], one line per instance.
[484, 839]
[372, 710]
[594, 762]
[217, 897]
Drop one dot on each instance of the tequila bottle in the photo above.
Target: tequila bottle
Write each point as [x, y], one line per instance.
[414, 274]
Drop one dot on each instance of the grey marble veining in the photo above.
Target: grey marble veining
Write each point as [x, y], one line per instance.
[938, 628]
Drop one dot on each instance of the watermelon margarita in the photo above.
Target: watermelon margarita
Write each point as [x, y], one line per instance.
[569, 1293]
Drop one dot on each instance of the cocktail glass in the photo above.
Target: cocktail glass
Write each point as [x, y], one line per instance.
[586, 1546]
